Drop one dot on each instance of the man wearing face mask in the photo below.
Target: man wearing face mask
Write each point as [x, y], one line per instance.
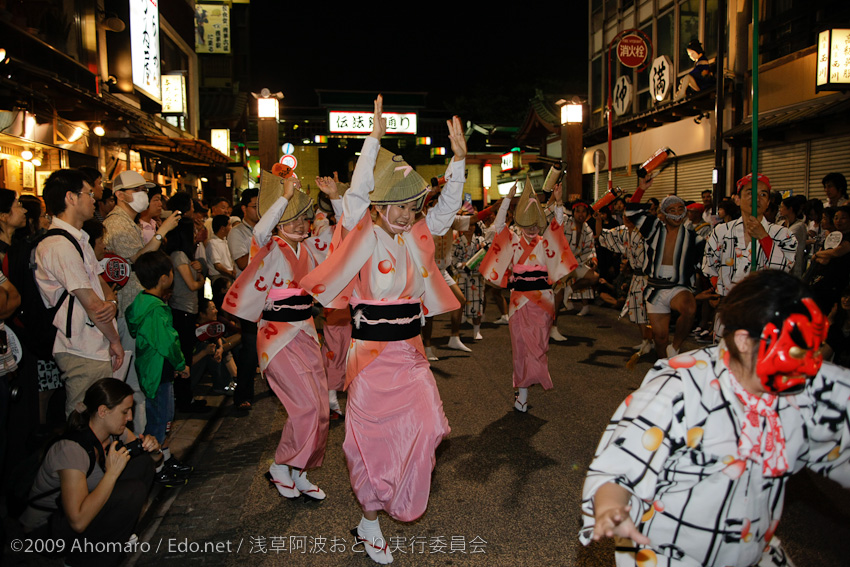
[671, 263]
[125, 239]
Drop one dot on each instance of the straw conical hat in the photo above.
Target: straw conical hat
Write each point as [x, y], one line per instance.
[271, 189]
[528, 210]
[396, 182]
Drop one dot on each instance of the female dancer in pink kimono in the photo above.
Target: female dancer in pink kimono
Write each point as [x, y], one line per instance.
[268, 291]
[386, 272]
[528, 265]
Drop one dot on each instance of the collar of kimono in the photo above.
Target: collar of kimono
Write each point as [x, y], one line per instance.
[767, 446]
[527, 247]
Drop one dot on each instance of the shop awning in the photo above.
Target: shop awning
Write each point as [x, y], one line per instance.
[816, 117]
[187, 152]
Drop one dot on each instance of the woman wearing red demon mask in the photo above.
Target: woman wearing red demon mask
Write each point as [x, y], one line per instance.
[692, 468]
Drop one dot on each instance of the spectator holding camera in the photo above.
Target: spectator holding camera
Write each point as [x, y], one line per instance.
[93, 482]
[126, 240]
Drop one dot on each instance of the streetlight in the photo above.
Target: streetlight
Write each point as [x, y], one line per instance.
[268, 111]
[572, 116]
[487, 182]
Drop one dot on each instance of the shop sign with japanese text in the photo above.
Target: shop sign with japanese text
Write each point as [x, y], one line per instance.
[660, 77]
[622, 95]
[348, 122]
[833, 63]
[173, 94]
[144, 45]
[212, 28]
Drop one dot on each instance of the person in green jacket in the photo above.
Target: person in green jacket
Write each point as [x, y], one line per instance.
[158, 356]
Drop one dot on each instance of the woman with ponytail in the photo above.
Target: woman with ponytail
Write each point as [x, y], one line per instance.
[93, 482]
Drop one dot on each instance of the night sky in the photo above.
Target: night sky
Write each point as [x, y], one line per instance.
[472, 60]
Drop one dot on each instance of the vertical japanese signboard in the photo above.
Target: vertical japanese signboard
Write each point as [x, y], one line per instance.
[144, 45]
[173, 94]
[833, 63]
[660, 77]
[212, 28]
[622, 95]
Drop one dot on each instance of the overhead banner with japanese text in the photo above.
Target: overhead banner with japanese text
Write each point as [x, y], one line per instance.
[212, 28]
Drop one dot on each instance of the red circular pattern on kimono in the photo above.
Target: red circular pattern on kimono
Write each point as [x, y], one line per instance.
[682, 361]
[318, 288]
[646, 558]
[385, 266]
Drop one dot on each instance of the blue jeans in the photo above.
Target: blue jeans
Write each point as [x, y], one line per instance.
[160, 411]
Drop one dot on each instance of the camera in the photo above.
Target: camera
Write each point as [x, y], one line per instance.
[133, 447]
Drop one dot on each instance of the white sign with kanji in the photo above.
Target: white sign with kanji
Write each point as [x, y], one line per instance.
[348, 122]
[660, 78]
[622, 95]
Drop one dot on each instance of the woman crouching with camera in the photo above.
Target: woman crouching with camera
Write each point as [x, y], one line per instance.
[92, 483]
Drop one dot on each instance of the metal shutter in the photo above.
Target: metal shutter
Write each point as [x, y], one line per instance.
[785, 166]
[827, 155]
[693, 175]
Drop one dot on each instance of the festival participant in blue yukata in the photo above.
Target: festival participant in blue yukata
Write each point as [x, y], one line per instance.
[692, 468]
[269, 291]
[529, 263]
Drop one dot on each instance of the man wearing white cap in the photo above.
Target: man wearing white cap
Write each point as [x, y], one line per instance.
[125, 239]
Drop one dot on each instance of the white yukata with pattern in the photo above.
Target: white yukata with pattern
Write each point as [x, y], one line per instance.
[673, 444]
[630, 244]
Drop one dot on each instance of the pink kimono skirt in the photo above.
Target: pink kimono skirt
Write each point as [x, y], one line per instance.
[335, 349]
[297, 377]
[529, 327]
[393, 425]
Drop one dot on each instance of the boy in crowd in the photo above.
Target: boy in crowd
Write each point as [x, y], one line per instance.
[158, 356]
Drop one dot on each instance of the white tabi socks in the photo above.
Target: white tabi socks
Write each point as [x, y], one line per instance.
[373, 541]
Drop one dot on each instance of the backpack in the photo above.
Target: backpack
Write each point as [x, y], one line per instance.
[25, 471]
[33, 322]
[94, 450]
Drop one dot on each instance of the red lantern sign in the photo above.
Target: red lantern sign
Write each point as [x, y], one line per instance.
[632, 51]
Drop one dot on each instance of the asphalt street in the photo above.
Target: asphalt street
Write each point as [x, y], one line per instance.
[505, 491]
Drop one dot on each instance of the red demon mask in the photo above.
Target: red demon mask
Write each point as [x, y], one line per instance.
[790, 356]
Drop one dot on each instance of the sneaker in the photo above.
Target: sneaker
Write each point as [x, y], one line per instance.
[226, 391]
[429, 354]
[671, 352]
[178, 467]
[478, 336]
[584, 311]
[503, 320]
[169, 479]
